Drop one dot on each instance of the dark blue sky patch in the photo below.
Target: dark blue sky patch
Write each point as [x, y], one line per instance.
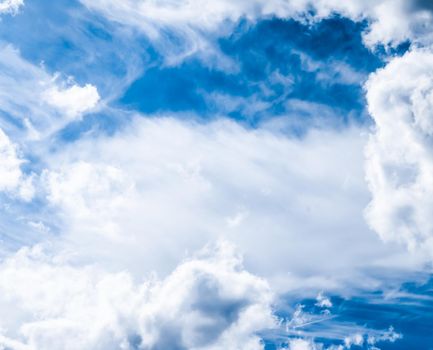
[279, 61]
[408, 310]
[333, 38]
[174, 89]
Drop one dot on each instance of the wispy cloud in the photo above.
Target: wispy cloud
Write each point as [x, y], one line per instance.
[192, 23]
[34, 103]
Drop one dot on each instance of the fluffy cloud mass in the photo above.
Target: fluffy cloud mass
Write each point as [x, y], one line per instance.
[73, 100]
[399, 156]
[208, 302]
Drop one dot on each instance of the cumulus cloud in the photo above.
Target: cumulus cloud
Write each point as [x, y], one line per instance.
[399, 156]
[10, 6]
[73, 100]
[208, 302]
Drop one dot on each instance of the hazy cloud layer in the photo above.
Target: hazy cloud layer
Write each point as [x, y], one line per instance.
[162, 188]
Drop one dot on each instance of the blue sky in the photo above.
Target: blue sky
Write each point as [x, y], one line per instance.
[211, 175]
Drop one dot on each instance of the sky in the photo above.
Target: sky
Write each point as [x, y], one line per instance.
[216, 175]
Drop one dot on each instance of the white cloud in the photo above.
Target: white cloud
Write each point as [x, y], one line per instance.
[301, 344]
[144, 199]
[10, 171]
[323, 301]
[390, 21]
[36, 102]
[399, 156]
[208, 303]
[10, 6]
[307, 330]
[356, 339]
[192, 23]
[92, 194]
[369, 339]
[162, 187]
[12, 179]
[389, 335]
[73, 100]
[184, 22]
